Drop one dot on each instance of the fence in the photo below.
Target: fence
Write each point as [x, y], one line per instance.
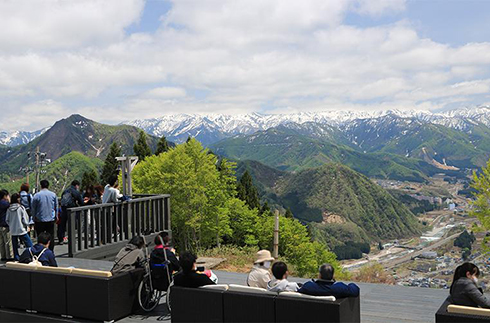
[97, 230]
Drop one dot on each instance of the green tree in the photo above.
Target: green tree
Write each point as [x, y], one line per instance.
[481, 204]
[111, 164]
[289, 214]
[247, 192]
[265, 209]
[141, 148]
[89, 178]
[162, 146]
[200, 193]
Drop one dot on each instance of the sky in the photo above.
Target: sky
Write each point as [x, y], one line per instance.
[120, 60]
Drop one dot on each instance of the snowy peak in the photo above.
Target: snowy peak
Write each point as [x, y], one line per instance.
[16, 138]
[214, 127]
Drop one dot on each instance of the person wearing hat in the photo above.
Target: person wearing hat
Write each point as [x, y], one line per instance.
[260, 275]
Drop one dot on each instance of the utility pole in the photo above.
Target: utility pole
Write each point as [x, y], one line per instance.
[37, 169]
[275, 252]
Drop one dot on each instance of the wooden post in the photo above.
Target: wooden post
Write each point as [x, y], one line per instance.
[275, 253]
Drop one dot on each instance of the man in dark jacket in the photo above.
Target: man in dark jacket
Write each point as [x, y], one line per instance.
[5, 237]
[326, 285]
[189, 277]
[41, 251]
[71, 197]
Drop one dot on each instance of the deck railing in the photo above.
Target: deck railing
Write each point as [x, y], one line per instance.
[95, 227]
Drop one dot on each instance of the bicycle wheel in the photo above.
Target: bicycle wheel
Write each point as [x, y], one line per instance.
[148, 297]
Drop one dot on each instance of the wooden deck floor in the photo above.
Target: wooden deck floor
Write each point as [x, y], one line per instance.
[379, 303]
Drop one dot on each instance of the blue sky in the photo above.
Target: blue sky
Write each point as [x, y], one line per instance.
[117, 60]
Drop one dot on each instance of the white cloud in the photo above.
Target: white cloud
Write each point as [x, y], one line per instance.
[62, 24]
[245, 55]
[165, 93]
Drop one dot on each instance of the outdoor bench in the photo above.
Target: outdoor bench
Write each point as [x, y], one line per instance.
[448, 313]
[69, 292]
[235, 303]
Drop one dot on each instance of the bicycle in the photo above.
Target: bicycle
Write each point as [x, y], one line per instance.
[148, 296]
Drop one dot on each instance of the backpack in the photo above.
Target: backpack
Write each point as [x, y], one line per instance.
[67, 198]
[35, 259]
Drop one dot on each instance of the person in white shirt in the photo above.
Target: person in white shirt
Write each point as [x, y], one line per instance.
[279, 282]
[110, 191]
[260, 275]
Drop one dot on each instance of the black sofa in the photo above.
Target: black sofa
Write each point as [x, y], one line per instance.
[210, 305]
[69, 295]
[443, 316]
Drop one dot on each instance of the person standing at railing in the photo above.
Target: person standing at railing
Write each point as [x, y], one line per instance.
[44, 205]
[71, 197]
[110, 191]
[18, 222]
[5, 237]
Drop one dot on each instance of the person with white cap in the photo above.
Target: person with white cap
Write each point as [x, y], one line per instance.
[260, 275]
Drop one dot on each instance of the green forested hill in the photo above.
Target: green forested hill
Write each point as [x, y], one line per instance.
[74, 133]
[61, 172]
[339, 204]
[336, 194]
[288, 150]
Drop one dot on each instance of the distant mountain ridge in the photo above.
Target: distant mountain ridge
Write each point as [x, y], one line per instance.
[16, 138]
[73, 134]
[214, 127]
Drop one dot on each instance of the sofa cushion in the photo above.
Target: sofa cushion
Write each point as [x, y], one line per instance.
[54, 270]
[304, 296]
[18, 265]
[221, 287]
[468, 310]
[93, 273]
[248, 289]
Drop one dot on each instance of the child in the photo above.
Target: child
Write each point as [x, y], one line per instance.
[18, 222]
[280, 283]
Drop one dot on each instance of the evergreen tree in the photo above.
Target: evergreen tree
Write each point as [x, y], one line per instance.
[89, 178]
[141, 148]
[265, 209]
[162, 146]
[189, 138]
[247, 192]
[111, 164]
[289, 214]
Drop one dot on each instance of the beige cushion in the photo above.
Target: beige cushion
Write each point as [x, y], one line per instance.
[94, 273]
[56, 270]
[216, 287]
[304, 296]
[247, 289]
[18, 265]
[458, 309]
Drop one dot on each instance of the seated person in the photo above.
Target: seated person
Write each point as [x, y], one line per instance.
[40, 251]
[280, 281]
[260, 275]
[188, 276]
[163, 262]
[130, 257]
[464, 289]
[326, 285]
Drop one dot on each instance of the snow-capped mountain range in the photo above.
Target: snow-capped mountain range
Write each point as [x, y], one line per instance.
[17, 138]
[213, 127]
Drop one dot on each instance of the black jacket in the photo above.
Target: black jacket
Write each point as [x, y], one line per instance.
[71, 197]
[466, 293]
[192, 280]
